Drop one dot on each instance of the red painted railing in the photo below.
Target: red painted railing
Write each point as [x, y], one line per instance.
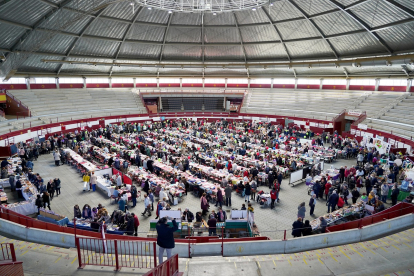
[116, 253]
[7, 252]
[398, 210]
[167, 268]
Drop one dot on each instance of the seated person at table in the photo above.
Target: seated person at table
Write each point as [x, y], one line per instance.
[187, 215]
[86, 211]
[116, 193]
[379, 206]
[243, 207]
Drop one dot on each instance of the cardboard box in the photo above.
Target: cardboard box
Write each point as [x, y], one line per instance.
[55, 217]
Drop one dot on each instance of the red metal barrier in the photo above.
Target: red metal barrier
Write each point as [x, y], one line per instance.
[116, 253]
[167, 268]
[8, 253]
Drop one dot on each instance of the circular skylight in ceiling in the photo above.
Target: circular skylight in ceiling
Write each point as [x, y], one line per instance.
[200, 6]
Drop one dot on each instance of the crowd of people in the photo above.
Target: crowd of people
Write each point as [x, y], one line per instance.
[198, 140]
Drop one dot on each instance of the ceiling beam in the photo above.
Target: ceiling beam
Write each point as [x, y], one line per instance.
[343, 62]
[316, 27]
[202, 40]
[363, 25]
[278, 33]
[72, 46]
[165, 35]
[241, 38]
[140, 9]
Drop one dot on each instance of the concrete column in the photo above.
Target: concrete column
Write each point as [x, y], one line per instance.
[348, 81]
[321, 84]
[409, 84]
[158, 82]
[160, 104]
[377, 83]
[28, 83]
[248, 83]
[110, 82]
[225, 83]
[57, 83]
[135, 82]
[272, 80]
[181, 82]
[296, 83]
[84, 83]
[203, 82]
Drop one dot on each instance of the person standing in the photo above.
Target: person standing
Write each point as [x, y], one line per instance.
[86, 179]
[119, 180]
[394, 194]
[165, 238]
[273, 196]
[247, 192]
[227, 192]
[332, 201]
[297, 228]
[384, 192]
[94, 181]
[39, 204]
[212, 225]
[355, 195]
[253, 185]
[56, 156]
[134, 194]
[312, 203]
[323, 224]
[204, 204]
[301, 210]
[46, 200]
[147, 206]
[57, 186]
[136, 224]
[219, 197]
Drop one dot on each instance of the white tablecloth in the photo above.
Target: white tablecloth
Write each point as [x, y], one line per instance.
[103, 185]
[24, 209]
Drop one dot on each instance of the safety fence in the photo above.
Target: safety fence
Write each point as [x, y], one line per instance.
[167, 268]
[116, 253]
[398, 210]
[8, 253]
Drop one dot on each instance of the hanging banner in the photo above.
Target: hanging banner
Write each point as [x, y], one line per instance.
[381, 146]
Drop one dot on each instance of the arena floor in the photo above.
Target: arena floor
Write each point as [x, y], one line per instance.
[271, 223]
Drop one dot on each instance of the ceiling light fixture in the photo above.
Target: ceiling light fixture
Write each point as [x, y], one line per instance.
[204, 6]
[169, 11]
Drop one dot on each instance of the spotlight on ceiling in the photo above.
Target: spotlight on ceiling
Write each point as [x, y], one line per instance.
[253, 9]
[169, 11]
[150, 8]
[214, 13]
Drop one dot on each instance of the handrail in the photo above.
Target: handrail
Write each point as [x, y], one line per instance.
[8, 253]
[17, 100]
[167, 268]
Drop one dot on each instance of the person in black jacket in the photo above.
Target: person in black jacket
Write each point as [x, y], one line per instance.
[394, 194]
[297, 228]
[165, 239]
[39, 204]
[130, 225]
[307, 229]
[312, 201]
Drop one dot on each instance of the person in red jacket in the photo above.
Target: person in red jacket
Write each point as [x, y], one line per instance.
[273, 196]
[136, 224]
[341, 201]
